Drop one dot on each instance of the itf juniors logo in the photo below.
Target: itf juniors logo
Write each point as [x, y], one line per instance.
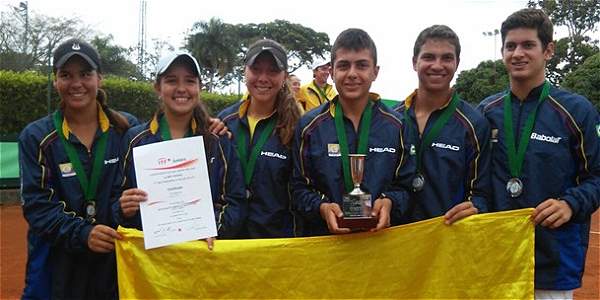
[333, 150]
[66, 170]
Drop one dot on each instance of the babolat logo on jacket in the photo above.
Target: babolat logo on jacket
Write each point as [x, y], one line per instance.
[562, 161]
[545, 138]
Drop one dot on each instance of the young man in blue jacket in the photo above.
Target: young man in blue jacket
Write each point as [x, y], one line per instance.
[326, 135]
[448, 135]
[545, 154]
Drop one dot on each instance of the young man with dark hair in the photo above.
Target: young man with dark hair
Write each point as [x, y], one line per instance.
[546, 154]
[447, 136]
[353, 122]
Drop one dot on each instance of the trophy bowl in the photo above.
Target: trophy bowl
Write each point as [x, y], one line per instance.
[356, 205]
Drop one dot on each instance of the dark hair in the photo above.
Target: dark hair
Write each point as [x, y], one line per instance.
[531, 18]
[437, 32]
[118, 120]
[354, 39]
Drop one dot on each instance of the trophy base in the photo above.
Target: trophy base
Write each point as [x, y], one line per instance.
[357, 223]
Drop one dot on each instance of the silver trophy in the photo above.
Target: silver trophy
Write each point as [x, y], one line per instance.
[357, 203]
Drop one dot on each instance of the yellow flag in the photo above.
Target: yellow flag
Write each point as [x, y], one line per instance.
[485, 256]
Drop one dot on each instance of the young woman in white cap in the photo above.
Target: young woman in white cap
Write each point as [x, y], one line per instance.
[181, 114]
[263, 126]
[69, 164]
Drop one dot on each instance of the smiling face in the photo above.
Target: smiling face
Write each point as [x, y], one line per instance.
[353, 73]
[264, 79]
[321, 74]
[179, 89]
[436, 64]
[77, 84]
[524, 55]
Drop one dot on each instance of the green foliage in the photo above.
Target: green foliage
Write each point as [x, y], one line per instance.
[114, 58]
[220, 47]
[581, 18]
[586, 80]
[43, 35]
[23, 98]
[488, 78]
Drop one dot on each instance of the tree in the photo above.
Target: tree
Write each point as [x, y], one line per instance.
[488, 78]
[43, 35]
[115, 58]
[220, 47]
[586, 80]
[215, 44]
[303, 43]
[580, 17]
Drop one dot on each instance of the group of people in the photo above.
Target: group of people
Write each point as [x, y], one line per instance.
[276, 172]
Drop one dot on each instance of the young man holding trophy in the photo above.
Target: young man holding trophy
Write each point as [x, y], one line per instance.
[349, 157]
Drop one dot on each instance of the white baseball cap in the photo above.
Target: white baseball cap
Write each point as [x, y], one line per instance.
[165, 62]
[318, 63]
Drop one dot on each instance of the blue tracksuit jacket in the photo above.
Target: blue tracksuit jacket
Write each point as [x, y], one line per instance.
[225, 176]
[456, 165]
[269, 207]
[562, 161]
[318, 177]
[59, 263]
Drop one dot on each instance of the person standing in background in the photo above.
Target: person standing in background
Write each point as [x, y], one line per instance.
[318, 91]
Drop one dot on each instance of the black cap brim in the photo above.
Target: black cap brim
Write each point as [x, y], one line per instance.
[58, 64]
[280, 64]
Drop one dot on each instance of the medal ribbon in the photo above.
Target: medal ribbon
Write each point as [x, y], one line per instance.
[363, 137]
[165, 132]
[248, 163]
[89, 187]
[435, 130]
[322, 92]
[516, 156]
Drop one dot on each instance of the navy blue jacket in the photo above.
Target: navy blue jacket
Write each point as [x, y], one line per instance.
[224, 173]
[562, 162]
[456, 165]
[318, 176]
[269, 207]
[59, 262]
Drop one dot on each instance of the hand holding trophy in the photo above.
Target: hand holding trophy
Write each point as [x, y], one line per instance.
[356, 205]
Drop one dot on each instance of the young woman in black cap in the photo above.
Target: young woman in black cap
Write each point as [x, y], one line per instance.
[182, 114]
[69, 166]
[263, 126]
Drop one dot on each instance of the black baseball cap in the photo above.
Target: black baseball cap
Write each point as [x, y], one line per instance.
[75, 46]
[272, 47]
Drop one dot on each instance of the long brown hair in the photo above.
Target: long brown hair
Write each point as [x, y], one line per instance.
[288, 114]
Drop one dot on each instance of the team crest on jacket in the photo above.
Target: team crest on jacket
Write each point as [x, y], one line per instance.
[494, 137]
[66, 169]
[333, 150]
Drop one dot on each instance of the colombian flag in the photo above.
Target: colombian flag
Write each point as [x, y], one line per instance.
[485, 256]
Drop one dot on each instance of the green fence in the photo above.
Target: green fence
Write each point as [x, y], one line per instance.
[9, 162]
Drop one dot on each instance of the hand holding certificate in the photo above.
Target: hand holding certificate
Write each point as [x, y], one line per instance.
[179, 208]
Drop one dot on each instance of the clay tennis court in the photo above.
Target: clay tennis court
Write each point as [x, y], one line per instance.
[13, 255]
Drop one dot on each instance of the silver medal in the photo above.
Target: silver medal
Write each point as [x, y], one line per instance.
[90, 209]
[418, 182]
[514, 187]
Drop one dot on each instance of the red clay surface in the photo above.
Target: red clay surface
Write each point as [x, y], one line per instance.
[13, 255]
